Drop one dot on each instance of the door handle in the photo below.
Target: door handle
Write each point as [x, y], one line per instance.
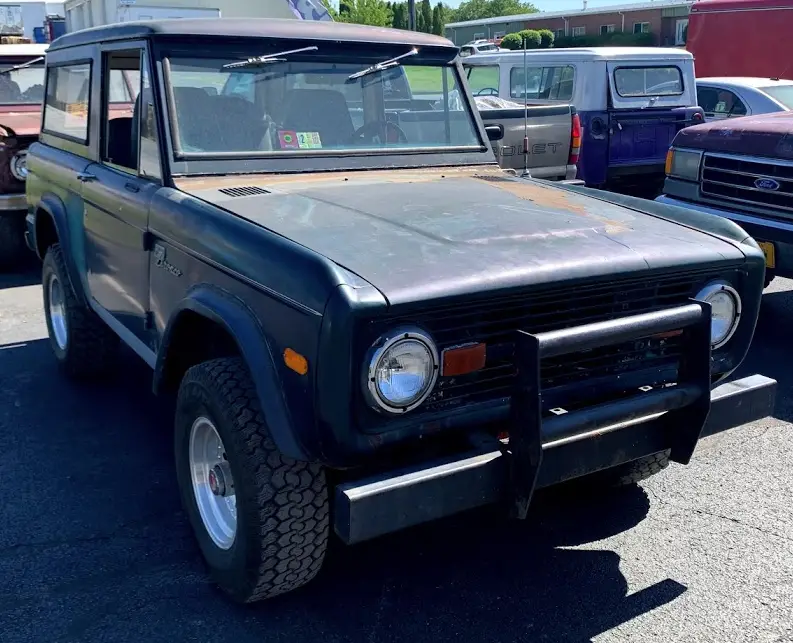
[84, 177]
[131, 187]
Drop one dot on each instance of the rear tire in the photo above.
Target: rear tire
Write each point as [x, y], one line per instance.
[83, 345]
[273, 537]
[13, 250]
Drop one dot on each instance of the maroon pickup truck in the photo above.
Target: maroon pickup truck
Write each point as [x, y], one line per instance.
[21, 96]
[740, 169]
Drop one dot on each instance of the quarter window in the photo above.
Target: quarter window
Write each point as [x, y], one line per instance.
[542, 83]
[67, 101]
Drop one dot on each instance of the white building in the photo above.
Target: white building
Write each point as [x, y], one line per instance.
[21, 16]
[81, 14]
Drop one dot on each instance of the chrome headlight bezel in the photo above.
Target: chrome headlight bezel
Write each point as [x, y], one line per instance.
[18, 166]
[688, 172]
[708, 292]
[384, 344]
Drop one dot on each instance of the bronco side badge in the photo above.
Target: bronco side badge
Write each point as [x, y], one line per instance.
[159, 255]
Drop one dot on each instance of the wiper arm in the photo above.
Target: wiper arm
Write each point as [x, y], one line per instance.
[23, 65]
[386, 64]
[268, 58]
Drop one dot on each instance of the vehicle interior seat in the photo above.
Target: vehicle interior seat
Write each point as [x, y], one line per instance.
[318, 110]
[119, 135]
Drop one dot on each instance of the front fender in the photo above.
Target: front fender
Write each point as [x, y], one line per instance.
[239, 321]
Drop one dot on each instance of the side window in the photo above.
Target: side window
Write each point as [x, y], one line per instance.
[720, 103]
[542, 83]
[483, 80]
[128, 126]
[67, 101]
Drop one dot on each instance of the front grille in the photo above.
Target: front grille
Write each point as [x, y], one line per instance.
[763, 183]
[575, 375]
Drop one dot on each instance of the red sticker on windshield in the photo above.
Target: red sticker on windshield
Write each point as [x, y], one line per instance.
[288, 140]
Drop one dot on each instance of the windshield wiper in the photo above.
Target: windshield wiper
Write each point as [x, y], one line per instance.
[23, 65]
[268, 58]
[386, 64]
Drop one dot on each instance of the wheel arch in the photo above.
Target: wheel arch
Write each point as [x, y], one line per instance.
[236, 331]
[50, 226]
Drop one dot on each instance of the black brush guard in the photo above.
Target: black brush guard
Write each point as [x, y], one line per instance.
[544, 451]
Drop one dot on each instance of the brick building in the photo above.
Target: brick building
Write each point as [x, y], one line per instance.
[667, 20]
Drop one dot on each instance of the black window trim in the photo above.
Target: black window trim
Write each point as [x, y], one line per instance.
[669, 66]
[66, 137]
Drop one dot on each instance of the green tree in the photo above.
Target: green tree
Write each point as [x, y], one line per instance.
[331, 9]
[400, 20]
[547, 38]
[478, 9]
[438, 19]
[425, 9]
[366, 12]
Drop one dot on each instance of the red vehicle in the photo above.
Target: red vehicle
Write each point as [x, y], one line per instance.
[21, 95]
[742, 38]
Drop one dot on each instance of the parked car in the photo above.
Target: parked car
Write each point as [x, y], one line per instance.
[479, 47]
[723, 98]
[366, 323]
[21, 94]
[631, 102]
[744, 174]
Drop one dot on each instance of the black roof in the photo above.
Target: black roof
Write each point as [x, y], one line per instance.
[249, 28]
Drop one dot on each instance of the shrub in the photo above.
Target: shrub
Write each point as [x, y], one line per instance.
[546, 38]
[531, 37]
[512, 41]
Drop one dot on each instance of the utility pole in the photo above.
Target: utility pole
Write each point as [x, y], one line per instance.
[412, 15]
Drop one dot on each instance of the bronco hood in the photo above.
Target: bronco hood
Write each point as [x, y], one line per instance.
[419, 235]
[769, 135]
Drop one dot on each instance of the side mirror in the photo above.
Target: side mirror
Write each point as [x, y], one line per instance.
[494, 132]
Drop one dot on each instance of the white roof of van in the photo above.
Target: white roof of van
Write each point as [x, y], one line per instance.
[588, 53]
[23, 50]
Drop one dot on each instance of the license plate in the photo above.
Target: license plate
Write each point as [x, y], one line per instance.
[768, 251]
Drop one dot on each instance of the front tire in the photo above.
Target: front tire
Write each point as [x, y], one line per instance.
[260, 518]
[635, 471]
[83, 345]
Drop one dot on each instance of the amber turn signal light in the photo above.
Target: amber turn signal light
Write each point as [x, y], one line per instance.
[460, 360]
[296, 361]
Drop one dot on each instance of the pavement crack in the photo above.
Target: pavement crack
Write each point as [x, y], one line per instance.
[713, 514]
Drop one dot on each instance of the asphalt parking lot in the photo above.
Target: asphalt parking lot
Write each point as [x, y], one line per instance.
[94, 546]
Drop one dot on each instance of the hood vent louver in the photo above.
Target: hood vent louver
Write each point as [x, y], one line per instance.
[243, 190]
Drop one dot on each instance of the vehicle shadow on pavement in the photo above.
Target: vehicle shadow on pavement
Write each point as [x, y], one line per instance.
[95, 545]
[29, 275]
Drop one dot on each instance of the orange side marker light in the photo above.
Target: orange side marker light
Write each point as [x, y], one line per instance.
[460, 360]
[296, 361]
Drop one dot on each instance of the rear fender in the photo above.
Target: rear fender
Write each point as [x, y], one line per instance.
[253, 344]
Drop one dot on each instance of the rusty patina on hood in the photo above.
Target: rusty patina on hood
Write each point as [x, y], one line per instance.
[769, 135]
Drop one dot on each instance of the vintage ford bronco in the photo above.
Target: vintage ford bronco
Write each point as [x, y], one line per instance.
[355, 343]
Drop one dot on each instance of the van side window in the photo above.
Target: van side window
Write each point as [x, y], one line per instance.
[483, 80]
[67, 101]
[542, 83]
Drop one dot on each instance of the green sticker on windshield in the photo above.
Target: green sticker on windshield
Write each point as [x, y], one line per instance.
[309, 140]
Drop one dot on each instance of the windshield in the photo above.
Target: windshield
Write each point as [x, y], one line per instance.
[295, 107]
[780, 93]
[21, 86]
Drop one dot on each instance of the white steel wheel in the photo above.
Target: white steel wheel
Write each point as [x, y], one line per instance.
[57, 312]
[213, 484]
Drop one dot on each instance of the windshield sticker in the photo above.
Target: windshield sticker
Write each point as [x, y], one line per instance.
[288, 140]
[308, 140]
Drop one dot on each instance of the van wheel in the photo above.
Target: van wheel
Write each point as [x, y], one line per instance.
[83, 345]
[260, 518]
[13, 251]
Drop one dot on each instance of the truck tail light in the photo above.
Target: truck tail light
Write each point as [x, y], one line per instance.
[697, 117]
[575, 141]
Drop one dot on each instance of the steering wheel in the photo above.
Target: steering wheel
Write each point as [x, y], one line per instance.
[386, 131]
[491, 91]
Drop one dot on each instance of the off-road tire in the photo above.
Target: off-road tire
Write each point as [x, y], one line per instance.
[13, 251]
[91, 347]
[636, 471]
[282, 504]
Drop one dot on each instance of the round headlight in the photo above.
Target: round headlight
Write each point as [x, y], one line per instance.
[725, 305]
[401, 370]
[19, 165]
